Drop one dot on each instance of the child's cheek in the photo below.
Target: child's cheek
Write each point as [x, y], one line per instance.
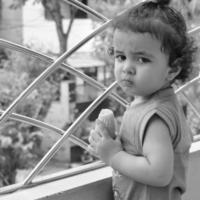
[118, 73]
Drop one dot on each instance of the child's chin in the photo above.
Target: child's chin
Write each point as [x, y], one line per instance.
[129, 92]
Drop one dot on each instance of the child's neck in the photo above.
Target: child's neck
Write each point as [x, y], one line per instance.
[140, 99]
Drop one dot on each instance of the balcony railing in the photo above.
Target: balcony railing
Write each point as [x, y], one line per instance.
[92, 181]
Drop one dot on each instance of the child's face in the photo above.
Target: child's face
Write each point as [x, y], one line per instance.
[141, 68]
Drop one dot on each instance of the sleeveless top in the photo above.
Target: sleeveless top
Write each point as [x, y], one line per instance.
[164, 104]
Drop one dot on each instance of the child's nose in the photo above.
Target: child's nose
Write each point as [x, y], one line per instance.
[129, 68]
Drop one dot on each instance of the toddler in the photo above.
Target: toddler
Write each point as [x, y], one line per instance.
[149, 157]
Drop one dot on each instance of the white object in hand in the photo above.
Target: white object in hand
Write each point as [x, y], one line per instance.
[107, 117]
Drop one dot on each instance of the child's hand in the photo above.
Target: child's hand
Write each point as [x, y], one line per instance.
[102, 144]
[107, 117]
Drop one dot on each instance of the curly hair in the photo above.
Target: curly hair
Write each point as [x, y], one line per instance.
[168, 26]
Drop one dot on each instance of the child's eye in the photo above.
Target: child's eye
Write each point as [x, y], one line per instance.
[143, 60]
[120, 58]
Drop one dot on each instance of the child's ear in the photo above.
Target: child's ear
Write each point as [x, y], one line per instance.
[173, 72]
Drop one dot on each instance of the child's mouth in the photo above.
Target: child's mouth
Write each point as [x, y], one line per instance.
[127, 83]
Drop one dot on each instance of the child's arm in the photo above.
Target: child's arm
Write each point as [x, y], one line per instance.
[155, 167]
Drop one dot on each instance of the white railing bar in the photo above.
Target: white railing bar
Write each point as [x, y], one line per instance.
[185, 86]
[70, 172]
[10, 188]
[40, 124]
[22, 49]
[194, 30]
[193, 107]
[86, 9]
[66, 67]
[53, 177]
[69, 131]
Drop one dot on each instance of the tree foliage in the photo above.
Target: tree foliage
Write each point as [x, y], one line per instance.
[20, 142]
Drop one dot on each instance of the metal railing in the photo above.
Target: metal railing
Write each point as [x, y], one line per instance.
[54, 65]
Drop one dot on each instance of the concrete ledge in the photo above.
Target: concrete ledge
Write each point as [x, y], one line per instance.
[88, 185]
[93, 182]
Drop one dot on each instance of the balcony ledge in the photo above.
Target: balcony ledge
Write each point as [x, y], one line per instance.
[72, 183]
[92, 182]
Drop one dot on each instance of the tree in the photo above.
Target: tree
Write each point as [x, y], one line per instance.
[20, 142]
[53, 9]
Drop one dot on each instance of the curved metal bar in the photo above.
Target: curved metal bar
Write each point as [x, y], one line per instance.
[40, 124]
[53, 177]
[11, 188]
[185, 86]
[79, 170]
[193, 107]
[194, 30]
[66, 67]
[69, 131]
[86, 9]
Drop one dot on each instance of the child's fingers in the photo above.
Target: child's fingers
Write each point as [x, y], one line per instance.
[101, 128]
[95, 135]
[92, 146]
[91, 140]
[92, 151]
